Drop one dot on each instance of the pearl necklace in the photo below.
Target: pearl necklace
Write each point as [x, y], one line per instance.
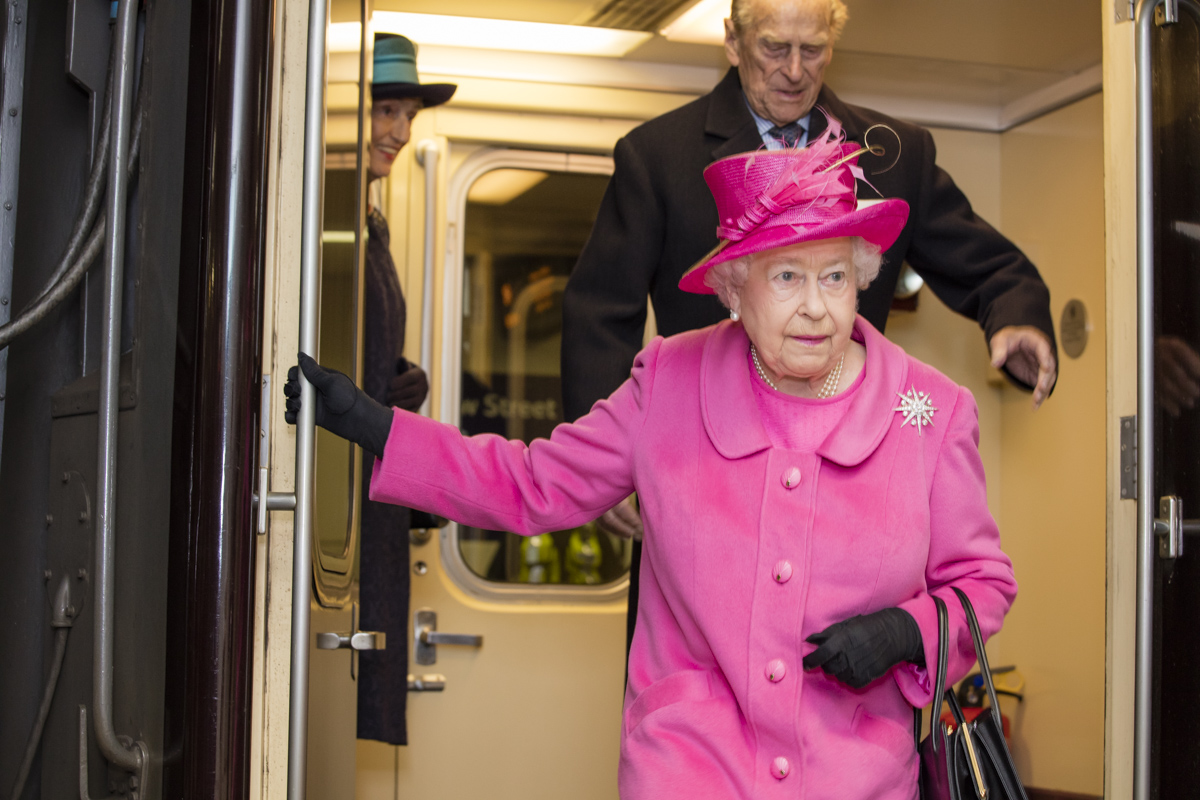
[831, 380]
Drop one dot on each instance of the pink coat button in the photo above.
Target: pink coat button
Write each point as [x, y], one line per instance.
[782, 572]
[791, 478]
[776, 669]
[780, 768]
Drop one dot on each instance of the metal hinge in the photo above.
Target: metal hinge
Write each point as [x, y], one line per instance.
[1129, 456]
[1123, 10]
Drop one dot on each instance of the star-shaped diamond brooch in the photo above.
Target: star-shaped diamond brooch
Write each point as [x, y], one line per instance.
[916, 407]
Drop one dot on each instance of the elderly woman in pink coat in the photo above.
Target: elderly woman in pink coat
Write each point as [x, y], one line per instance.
[806, 487]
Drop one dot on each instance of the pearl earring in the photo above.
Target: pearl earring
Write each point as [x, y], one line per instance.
[733, 315]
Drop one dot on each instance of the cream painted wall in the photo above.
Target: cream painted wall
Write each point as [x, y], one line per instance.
[1053, 461]
[938, 336]
[1042, 185]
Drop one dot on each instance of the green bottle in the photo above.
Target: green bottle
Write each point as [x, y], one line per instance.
[584, 556]
[539, 560]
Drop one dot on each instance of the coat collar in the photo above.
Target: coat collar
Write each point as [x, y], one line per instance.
[729, 119]
[731, 416]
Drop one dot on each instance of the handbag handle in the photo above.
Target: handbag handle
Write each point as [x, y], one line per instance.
[980, 652]
[939, 682]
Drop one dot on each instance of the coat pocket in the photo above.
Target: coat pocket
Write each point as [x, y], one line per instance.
[689, 685]
[885, 733]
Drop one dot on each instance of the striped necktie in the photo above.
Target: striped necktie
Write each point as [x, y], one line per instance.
[788, 134]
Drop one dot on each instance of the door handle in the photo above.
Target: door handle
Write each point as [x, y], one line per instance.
[359, 640]
[433, 637]
[427, 637]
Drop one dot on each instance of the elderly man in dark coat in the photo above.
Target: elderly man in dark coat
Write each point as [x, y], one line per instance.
[658, 218]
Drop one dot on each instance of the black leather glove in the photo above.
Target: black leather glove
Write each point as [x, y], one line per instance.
[409, 387]
[342, 408]
[862, 649]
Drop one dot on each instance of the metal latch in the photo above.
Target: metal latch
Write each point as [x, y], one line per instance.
[426, 683]
[276, 501]
[359, 640]
[427, 638]
[354, 640]
[1167, 13]
[1170, 526]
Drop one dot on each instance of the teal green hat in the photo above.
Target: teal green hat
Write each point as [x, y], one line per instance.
[395, 73]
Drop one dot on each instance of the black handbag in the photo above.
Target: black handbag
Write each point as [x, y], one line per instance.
[970, 761]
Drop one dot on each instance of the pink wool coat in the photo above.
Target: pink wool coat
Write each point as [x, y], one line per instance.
[749, 548]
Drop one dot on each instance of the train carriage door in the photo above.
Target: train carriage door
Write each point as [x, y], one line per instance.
[517, 644]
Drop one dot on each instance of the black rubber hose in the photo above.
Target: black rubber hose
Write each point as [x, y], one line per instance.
[74, 265]
[93, 192]
[60, 650]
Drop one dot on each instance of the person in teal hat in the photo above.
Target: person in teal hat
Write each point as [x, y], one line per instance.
[397, 97]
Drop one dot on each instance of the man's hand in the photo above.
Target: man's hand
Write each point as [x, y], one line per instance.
[1176, 374]
[1026, 352]
[409, 387]
[623, 520]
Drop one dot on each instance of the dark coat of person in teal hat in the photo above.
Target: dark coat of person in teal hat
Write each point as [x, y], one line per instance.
[397, 96]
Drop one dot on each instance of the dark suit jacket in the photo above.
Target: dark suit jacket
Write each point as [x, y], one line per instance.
[658, 218]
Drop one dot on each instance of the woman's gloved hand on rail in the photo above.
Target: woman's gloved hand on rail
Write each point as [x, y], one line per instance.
[342, 408]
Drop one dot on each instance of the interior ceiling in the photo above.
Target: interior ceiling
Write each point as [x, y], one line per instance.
[969, 51]
[1046, 35]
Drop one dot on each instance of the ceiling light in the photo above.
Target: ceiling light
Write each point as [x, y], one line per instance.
[703, 23]
[491, 34]
[501, 186]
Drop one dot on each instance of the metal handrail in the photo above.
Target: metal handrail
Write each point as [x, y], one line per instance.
[1146, 501]
[310, 275]
[428, 156]
[129, 757]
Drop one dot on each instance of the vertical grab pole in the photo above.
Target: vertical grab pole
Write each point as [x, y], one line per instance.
[428, 154]
[1144, 659]
[129, 757]
[310, 270]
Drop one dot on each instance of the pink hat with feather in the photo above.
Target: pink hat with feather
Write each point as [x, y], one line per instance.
[770, 199]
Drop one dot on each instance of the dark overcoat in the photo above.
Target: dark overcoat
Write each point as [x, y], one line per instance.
[658, 218]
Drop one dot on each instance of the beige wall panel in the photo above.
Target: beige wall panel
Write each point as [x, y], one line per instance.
[1053, 495]
[938, 336]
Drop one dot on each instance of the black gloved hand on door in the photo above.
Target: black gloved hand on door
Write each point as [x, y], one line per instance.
[409, 387]
[862, 649]
[342, 408]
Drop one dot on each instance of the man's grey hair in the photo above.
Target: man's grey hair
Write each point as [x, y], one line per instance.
[836, 15]
[728, 277]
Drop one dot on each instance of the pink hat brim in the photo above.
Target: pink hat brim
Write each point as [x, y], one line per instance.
[879, 223]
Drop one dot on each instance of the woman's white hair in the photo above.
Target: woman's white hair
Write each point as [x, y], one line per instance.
[728, 277]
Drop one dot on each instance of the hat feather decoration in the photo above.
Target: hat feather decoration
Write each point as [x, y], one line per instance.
[809, 184]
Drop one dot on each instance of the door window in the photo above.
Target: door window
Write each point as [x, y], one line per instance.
[523, 230]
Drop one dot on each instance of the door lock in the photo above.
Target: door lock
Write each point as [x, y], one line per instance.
[1170, 526]
[427, 638]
